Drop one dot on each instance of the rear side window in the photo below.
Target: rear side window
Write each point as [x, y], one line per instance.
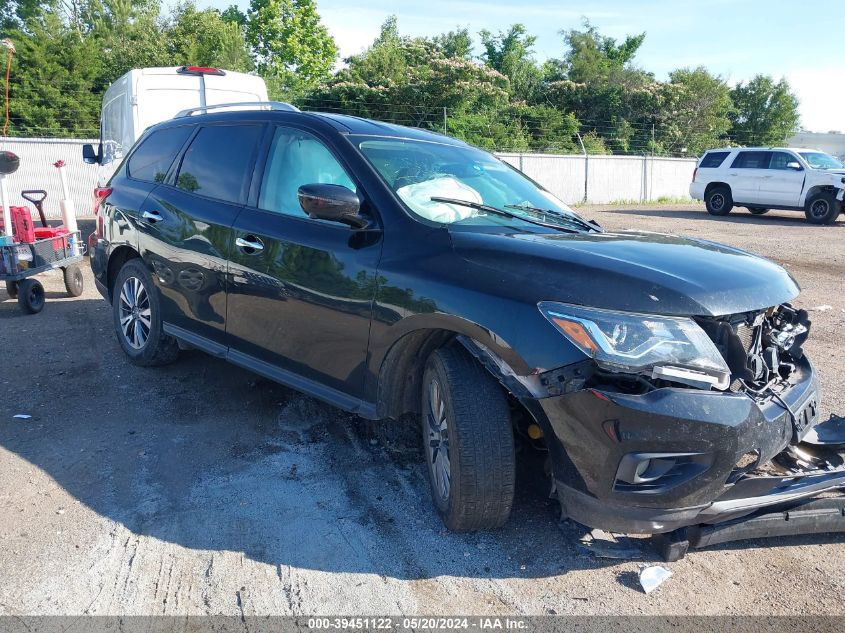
[712, 160]
[752, 160]
[217, 161]
[153, 158]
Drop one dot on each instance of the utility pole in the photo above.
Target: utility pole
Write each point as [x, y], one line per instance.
[651, 176]
[444, 121]
[586, 167]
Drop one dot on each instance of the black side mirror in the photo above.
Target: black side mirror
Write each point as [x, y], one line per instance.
[89, 155]
[335, 203]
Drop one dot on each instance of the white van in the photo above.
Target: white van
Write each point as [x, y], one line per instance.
[146, 96]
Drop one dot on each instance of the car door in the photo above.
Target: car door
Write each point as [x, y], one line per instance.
[783, 182]
[746, 175]
[186, 229]
[145, 170]
[301, 289]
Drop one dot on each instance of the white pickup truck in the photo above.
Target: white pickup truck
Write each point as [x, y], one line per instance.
[771, 178]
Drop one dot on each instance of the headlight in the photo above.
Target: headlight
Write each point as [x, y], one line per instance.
[665, 347]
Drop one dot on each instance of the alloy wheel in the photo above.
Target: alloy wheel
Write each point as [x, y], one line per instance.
[717, 202]
[437, 445]
[135, 314]
[819, 208]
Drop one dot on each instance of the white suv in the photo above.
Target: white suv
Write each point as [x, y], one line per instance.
[770, 178]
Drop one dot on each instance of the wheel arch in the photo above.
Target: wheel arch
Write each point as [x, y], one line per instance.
[716, 183]
[812, 191]
[399, 372]
[117, 259]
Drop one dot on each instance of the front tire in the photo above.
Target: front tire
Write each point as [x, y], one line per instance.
[137, 318]
[467, 441]
[31, 296]
[719, 201]
[12, 289]
[822, 208]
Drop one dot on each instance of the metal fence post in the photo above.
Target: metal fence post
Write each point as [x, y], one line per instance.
[586, 168]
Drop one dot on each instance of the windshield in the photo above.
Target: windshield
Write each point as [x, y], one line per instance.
[419, 171]
[818, 160]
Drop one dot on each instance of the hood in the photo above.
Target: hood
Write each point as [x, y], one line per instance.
[632, 271]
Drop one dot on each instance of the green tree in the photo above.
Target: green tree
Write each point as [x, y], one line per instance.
[597, 81]
[292, 48]
[695, 113]
[234, 14]
[766, 112]
[204, 38]
[511, 53]
[126, 34]
[410, 81]
[54, 76]
[592, 57]
[455, 44]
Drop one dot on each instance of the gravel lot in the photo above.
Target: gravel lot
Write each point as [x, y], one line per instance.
[200, 488]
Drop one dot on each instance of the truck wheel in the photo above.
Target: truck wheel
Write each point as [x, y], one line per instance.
[468, 442]
[719, 201]
[137, 318]
[31, 296]
[74, 281]
[757, 211]
[12, 289]
[822, 208]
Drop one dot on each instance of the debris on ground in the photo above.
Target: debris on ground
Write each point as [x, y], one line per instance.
[607, 545]
[822, 308]
[22, 416]
[653, 576]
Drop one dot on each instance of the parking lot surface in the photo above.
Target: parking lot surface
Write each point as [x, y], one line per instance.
[201, 488]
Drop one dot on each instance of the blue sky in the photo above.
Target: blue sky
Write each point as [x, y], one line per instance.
[737, 39]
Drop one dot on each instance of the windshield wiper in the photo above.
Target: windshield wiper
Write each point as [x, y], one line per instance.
[501, 212]
[570, 217]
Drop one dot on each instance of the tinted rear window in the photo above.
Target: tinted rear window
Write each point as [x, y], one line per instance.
[217, 161]
[155, 155]
[752, 160]
[713, 159]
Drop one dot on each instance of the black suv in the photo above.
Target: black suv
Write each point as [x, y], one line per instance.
[391, 271]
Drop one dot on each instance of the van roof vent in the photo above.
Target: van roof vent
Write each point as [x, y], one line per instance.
[243, 105]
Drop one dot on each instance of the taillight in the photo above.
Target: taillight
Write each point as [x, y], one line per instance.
[694, 173]
[100, 194]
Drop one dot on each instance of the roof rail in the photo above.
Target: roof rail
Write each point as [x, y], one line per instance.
[272, 105]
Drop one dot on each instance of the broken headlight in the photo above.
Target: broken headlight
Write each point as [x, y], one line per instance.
[672, 348]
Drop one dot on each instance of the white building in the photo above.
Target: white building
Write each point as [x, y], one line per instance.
[831, 142]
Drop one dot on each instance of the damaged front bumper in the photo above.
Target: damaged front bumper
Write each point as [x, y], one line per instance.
[673, 457]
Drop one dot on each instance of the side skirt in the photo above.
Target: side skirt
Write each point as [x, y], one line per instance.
[276, 374]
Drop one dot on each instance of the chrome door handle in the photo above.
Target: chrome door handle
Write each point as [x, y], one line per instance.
[151, 216]
[249, 243]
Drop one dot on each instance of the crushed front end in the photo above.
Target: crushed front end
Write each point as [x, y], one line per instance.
[688, 444]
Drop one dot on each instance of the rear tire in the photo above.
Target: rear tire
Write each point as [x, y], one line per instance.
[12, 289]
[822, 208]
[467, 441]
[31, 296]
[137, 318]
[74, 281]
[757, 211]
[719, 201]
